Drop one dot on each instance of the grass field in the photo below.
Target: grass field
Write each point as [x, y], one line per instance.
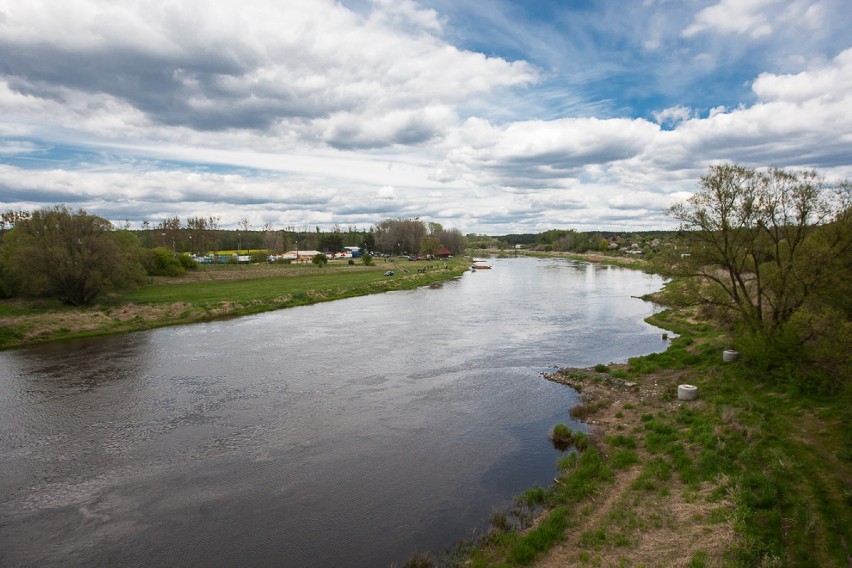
[213, 292]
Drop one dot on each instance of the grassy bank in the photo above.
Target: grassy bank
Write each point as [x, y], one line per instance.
[213, 292]
[750, 474]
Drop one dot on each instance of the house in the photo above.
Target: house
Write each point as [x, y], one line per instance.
[443, 252]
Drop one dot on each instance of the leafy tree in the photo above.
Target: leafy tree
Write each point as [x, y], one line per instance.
[765, 241]
[430, 245]
[770, 250]
[162, 262]
[367, 260]
[320, 260]
[72, 255]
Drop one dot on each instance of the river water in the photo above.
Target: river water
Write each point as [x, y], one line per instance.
[351, 433]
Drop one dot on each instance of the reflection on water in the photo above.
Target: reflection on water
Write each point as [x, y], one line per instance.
[349, 433]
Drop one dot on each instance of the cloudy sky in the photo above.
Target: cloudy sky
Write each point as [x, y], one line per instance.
[488, 116]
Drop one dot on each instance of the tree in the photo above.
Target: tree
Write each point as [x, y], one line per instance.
[399, 235]
[769, 250]
[320, 260]
[764, 240]
[72, 255]
[244, 225]
[430, 245]
[169, 230]
[212, 234]
[454, 240]
[333, 241]
[270, 238]
[197, 228]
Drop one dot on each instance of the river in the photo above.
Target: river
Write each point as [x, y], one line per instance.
[350, 433]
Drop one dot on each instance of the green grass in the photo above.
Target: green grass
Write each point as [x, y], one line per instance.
[203, 300]
[256, 290]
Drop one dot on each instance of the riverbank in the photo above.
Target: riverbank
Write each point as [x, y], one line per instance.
[214, 292]
[749, 474]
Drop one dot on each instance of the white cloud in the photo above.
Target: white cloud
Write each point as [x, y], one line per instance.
[386, 192]
[829, 83]
[311, 113]
[738, 17]
[302, 68]
[673, 115]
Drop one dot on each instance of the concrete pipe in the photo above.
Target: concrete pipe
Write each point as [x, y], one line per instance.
[687, 392]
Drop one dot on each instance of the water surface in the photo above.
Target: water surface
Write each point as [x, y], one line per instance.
[350, 433]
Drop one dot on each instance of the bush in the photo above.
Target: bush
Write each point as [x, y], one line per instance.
[561, 433]
[367, 260]
[563, 437]
[187, 262]
[161, 262]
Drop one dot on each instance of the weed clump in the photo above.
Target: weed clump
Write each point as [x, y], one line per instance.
[563, 437]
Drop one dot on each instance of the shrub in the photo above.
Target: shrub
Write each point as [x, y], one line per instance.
[187, 262]
[563, 437]
[561, 433]
[161, 262]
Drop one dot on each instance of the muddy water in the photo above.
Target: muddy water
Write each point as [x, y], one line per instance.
[351, 433]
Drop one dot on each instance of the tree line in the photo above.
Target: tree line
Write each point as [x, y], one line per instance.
[76, 256]
[390, 236]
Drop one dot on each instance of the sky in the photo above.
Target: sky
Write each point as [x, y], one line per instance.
[487, 116]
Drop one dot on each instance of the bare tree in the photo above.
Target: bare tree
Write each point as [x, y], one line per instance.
[244, 225]
[212, 234]
[197, 228]
[270, 238]
[399, 235]
[169, 230]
